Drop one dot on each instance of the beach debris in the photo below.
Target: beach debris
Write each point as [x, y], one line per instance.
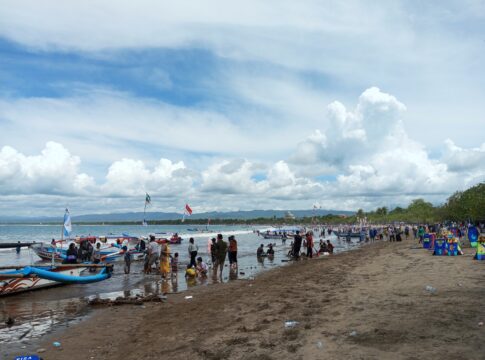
[188, 297]
[41, 350]
[10, 321]
[430, 289]
[319, 345]
[290, 324]
[137, 300]
[480, 323]
[56, 344]
[353, 333]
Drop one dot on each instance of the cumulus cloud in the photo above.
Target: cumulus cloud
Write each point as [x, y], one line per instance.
[129, 177]
[237, 178]
[230, 177]
[54, 171]
[460, 159]
[372, 155]
[374, 124]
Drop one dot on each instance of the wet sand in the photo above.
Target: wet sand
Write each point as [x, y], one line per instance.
[369, 303]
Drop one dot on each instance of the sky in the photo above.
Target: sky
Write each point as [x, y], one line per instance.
[238, 105]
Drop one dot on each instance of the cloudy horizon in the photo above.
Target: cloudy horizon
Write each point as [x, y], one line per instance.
[275, 105]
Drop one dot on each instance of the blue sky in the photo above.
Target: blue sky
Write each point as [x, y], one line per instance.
[256, 105]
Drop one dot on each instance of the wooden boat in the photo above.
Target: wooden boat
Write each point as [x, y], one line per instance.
[110, 253]
[275, 236]
[172, 240]
[18, 279]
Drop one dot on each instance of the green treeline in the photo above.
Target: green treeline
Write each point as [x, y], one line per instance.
[461, 206]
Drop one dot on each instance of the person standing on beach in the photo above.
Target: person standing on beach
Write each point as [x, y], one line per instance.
[127, 259]
[174, 264]
[309, 244]
[232, 253]
[213, 251]
[153, 254]
[421, 234]
[329, 247]
[165, 259]
[192, 252]
[220, 253]
[297, 245]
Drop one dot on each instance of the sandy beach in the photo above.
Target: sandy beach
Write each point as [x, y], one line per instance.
[369, 303]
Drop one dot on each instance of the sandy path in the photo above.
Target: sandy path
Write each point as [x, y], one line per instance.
[377, 291]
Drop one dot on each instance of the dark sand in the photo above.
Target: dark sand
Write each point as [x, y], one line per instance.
[377, 291]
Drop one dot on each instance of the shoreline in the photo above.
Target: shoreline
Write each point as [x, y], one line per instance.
[377, 291]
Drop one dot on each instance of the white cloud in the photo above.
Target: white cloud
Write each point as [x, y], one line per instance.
[459, 159]
[374, 124]
[129, 177]
[54, 171]
[400, 45]
[237, 178]
[102, 124]
[373, 155]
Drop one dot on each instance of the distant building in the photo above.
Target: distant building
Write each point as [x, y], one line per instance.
[289, 216]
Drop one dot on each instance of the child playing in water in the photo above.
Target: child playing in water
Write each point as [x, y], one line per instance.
[190, 273]
[202, 267]
[174, 263]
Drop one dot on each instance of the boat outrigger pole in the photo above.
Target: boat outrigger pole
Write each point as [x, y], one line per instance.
[15, 245]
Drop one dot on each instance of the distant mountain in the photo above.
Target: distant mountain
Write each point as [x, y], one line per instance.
[151, 216]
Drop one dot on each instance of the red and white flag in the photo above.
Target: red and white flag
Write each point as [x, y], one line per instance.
[188, 209]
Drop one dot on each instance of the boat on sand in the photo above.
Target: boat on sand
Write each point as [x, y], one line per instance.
[15, 279]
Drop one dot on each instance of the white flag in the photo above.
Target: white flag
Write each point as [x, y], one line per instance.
[67, 224]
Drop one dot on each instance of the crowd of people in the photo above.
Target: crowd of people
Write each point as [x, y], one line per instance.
[159, 259]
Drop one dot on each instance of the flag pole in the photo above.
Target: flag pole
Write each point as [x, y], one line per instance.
[144, 213]
[147, 201]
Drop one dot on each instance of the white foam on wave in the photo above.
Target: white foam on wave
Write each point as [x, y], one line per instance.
[214, 234]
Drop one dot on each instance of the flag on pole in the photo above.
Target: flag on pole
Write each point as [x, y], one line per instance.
[148, 199]
[67, 224]
[188, 209]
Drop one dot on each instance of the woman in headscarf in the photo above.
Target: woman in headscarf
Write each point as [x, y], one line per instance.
[165, 259]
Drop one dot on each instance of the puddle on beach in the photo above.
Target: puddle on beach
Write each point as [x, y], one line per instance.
[41, 312]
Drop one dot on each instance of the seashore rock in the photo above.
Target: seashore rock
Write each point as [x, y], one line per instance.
[137, 300]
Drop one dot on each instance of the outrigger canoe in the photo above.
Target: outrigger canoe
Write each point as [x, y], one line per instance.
[109, 253]
[18, 279]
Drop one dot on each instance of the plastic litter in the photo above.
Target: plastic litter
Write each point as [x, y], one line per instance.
[430, 289]
[291, 324]
[480, 323]
[319, 345]
[188, 297]
[353, 333]
[56, 343]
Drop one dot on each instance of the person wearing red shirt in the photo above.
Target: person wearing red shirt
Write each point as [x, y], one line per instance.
[309, 244]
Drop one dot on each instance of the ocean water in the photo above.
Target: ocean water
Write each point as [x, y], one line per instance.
[39, 312]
